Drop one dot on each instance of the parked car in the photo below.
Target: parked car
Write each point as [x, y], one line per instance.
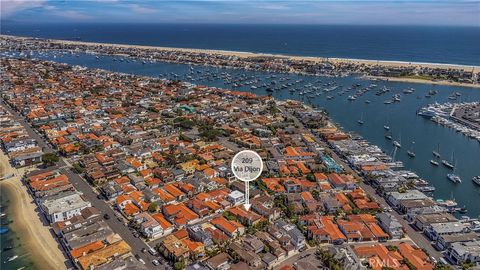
[155, 262]
[106, 216]
[153, 252]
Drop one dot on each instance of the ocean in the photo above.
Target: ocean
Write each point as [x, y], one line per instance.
[452, 45]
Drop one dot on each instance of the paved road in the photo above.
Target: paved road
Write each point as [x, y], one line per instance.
[83, 186]
[421, 240]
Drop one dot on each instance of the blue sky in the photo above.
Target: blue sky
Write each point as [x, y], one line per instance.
[426, 12]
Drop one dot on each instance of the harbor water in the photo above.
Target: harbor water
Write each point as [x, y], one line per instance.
[13, 253]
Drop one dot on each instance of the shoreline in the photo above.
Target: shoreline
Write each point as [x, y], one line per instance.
[420, 81]
[36, 238]
[313, 59]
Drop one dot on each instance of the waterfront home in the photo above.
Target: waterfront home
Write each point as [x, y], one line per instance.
[422, 222]
[62, 206]
[445, 241]
[464, 252]
[435, 230]
[395, 198]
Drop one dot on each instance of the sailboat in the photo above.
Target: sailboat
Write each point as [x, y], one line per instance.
[453, 177]
[447, 164]
[437, 152]
[386, 127]
[433, 162]
[388, 136]
[410, 152]
[360, 121]
[398, 143]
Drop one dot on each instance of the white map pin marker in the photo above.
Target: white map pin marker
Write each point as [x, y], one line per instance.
[247, 165]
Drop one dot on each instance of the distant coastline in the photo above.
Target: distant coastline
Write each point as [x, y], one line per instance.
[475, 70]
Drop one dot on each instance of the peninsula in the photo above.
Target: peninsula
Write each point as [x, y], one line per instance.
[430, 73]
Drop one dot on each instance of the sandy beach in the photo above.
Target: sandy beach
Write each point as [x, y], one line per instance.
[36, 237]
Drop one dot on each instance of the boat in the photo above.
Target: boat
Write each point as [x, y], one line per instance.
[408, 90]
[386, 127]
[447, 164]
[436, 153]
[454, 178]
[360, 121]
[476, 180]
[433, 162]
[398, 143]
[9, 259]
[367, 101]
[451, 204]
[426, 189]
[410, 152]
[388, 136]
[3, 230]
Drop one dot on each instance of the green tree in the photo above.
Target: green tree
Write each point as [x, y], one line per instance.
[49, 159]
[153, 207]
[179, 265]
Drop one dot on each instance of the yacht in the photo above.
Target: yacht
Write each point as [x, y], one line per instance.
[447, 163]
[476, 180]
[454, 178]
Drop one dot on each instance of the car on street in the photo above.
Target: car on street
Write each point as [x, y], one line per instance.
[144, 250]
[153, 252]
[106, 216]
